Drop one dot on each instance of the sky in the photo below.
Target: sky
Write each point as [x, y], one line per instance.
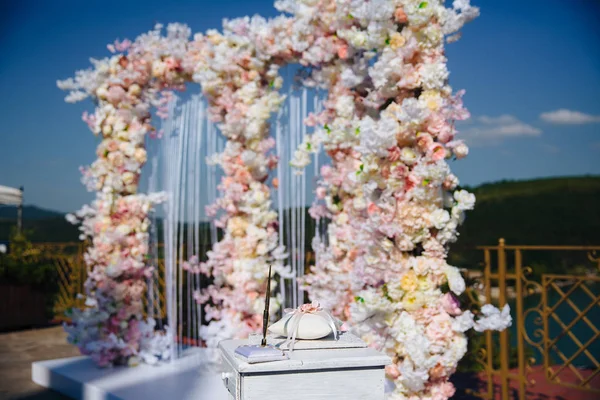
[531, 70]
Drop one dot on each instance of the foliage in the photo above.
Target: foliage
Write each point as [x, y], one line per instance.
[25, 266]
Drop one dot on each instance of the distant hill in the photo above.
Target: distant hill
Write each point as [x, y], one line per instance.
[29, 212]
[43, 225]
[542, 211]
[554, 211]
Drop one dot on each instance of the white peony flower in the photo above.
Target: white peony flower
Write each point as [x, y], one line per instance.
[350, 78]
[301, 159]
[412, 112]
[493, 318]
[455, 279]
[434, 76]
[464, 199]
[463, 322]
[461, 150]
[376, 138]
[345, 106]
[412, 377]
[418, 348]
[408, 156]
[439, 218]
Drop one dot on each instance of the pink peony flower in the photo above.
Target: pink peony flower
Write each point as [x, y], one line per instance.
[321, 192]
[400, 16]
[343, 51]
[437, 151]
[392, 371]
[310, 308]
[450, 304]
[115, 94]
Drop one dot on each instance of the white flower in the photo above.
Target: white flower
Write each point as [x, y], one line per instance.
[451, 182]
[434, 76]
[376, 138]
[387, 245]
[464, 199]
[493, 318]
[461, 4]
[455, 280]
[404, 326]
[154, 346]
[350, 78]
[412, 112]
[455, 351]
[300, 160]
[408, 156]
[345, 106]
[439, 218]
[91, 302]
[412, 378]
[463, 322]
[75, 96]
[461, 150]
[72, 219]
[418, 348]
[359, 203]
[355, 37]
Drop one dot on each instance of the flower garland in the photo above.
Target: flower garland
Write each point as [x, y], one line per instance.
[388, 127]
[241, 89]
[125, 86]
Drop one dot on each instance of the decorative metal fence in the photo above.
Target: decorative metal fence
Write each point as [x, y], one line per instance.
[556, 321]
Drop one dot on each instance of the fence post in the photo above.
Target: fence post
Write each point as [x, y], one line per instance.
[520, 322]
[489, 369]
[503, 335]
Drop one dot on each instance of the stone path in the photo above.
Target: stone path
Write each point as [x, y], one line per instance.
[18, 350]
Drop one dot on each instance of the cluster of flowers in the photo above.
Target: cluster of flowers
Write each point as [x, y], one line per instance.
[112, 329]
[242, 92]
[389, 193]
[241, 88]
[392, 201]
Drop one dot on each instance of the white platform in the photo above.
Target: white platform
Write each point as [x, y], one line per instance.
[79, 378]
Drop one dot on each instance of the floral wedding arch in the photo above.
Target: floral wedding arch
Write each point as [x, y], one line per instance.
[388, 128]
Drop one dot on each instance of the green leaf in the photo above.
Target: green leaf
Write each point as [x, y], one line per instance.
[388, 41]
[423, 4]
[357, 131]
[386, 292]
[359, 299]
[327, 128]
[360, 169]
[308, 146]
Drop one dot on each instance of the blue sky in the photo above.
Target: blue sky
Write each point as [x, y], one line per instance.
[520, 62]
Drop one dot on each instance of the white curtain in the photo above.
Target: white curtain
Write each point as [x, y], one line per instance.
[10, 196]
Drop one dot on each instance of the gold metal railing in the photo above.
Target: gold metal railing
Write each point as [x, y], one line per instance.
[552, 284]
[506, 277]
